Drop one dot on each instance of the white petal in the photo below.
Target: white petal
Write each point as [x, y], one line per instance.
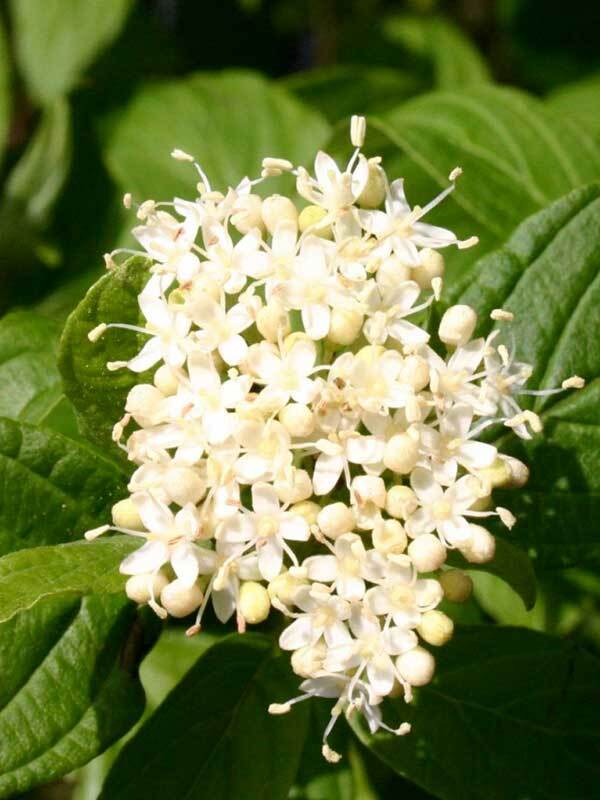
[327, 473]
[294, 527]
[233, 350]
[299, 634]
[425, 487]
[315, 319]
[264, 499]
[223, 603]
[185, 562]
[148, 356]
[270, 558]
[149, 557]
[321, 568]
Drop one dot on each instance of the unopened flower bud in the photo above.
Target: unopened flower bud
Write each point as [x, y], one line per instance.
[416, 666]
[391, 272]
[284, 587]
[142, 588]
[144, 403]
[427, 552]
[373, 194]
[389, 537]
[431, 265]
[312, 217]
[519, 472]
[401, 453]
[415, 372]
[271, 321]
[457, 585]
[336, 519]
[401, 502]
[297, 419]
[166, 381]
[496, 475]
[179, 598]
[247, 213]
[294, 487]
[126, 515]
[436, 628]
[481, 546]
[457, 325]
[183, 485]
[254, 603]
[278, 209]
[307, 509]
[345, 326]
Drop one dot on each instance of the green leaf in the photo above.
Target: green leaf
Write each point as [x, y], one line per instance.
[53, 489]
[57, 40]
[216, 736]
[456, 61]
[69, 686]
[579, 102]
[97, 394]
[229, 121]
[36, 181]
[31, 387]
[65, 570]
[517, 157]
[342, 90]
[548, 274]
[511, 564]
[5, 95]
[511, 713]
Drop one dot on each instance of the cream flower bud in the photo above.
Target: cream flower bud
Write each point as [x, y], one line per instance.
[294, 487]
[183, 485]
[390, 537]
[373, 194]
[307, 661]
[431, 266]
[345, 326]
[457, 585]
[307, 509]
[401, 453]
[336, 519]
[415, 372]
[392, 271]
[272, 320]
[481, 547]
[125, 515]
[247, 213]
[436, 628]
[369, 489]
[427, 552]
[284, 587]
[254, 603]
[496, 475]
[311, 217]
[519, 472]
[276, 209]
[143, 403]
[457, 325]
[179, 599]
[166, 381]
[416, 666]
[297, 419]
[141, 588]
[401, 502]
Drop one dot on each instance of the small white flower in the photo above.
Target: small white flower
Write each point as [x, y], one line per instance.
[324, 616]
[348, 567]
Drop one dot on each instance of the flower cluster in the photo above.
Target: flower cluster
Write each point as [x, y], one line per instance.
[301, 445]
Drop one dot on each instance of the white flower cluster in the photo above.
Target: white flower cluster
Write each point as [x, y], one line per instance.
[293, 401]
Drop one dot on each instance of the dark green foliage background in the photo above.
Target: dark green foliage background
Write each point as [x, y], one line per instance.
[94, 94]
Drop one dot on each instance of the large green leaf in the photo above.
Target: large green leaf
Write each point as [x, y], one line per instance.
[548, 274]
[5, 97]
[28, 577]
[69, 686]
[57, 40]
[517, 157]
[30, 383]
[216, 738]
[456, 61]
[579, 102]
[510, 714]
[97, 394]
[345, 89]
[230, 121]
[53, 489]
